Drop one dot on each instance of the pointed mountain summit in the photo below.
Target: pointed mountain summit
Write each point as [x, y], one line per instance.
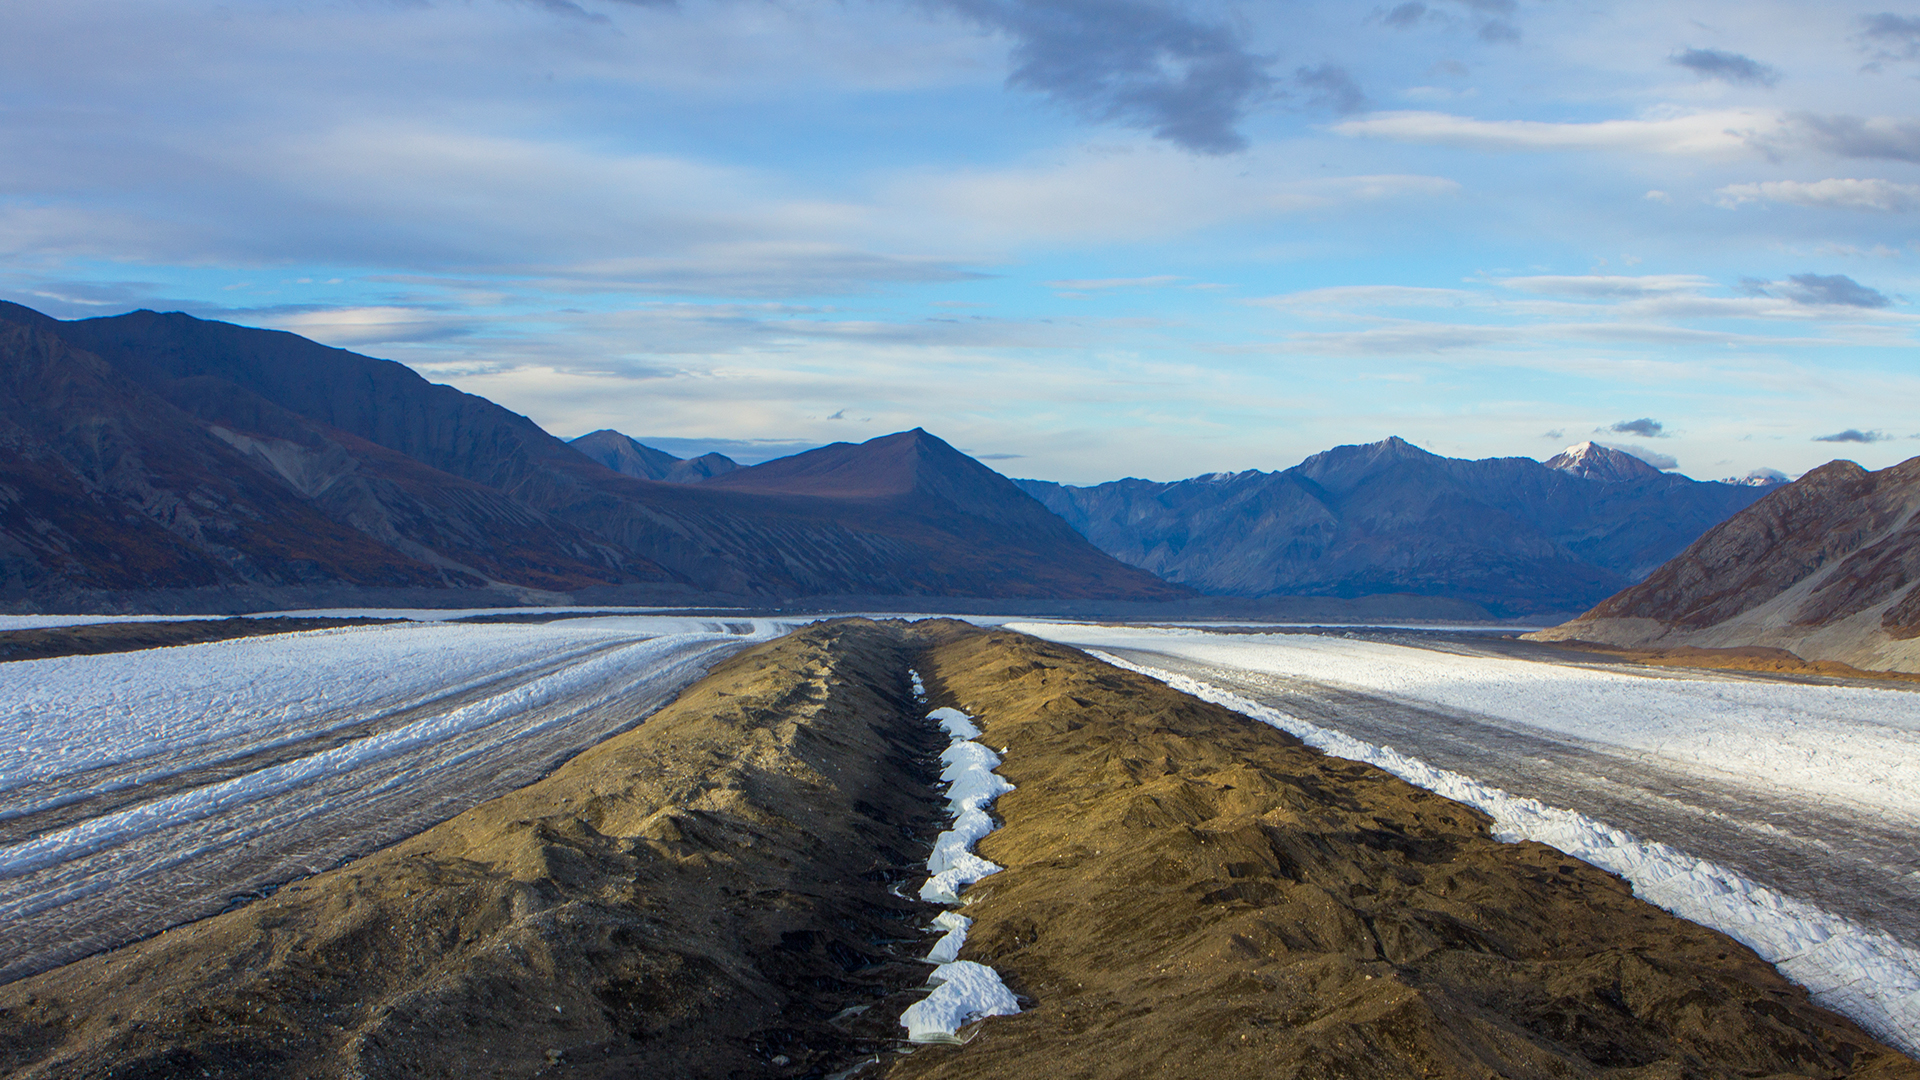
[904, 464]
[1602, 463]
[628, 455]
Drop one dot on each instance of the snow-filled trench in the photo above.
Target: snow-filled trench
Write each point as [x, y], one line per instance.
[963, 991]
[1868, 976]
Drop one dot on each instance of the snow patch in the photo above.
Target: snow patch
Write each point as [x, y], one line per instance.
[963, 990]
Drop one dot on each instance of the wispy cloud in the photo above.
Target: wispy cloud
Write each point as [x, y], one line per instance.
[1883, 196]
[1835, 290]
[1721, 132]
[1726, 67]
[1854, 435]
[1652, 457]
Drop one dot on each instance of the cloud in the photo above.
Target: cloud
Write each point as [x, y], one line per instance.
[1854, 435]
[1556, 435]
[1652, 457]
[1646, 427]
[1883, 196]
[1132, 62]
[1829, 289]
[1893, 37]
[1406, 15]
[1879, 138]
[996, 457]
[1727, 67]
[1720, 132]
[1608, 286]
[1331, 87]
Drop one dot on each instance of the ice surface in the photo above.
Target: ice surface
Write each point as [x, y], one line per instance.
[1868, 976]
[947, 948]
[1857, 744]
[956, 724]
[145, 716]
[963, 991]
[52, 622]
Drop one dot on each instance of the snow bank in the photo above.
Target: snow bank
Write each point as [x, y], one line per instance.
[963, 990]
[1860, 745]
[54, 622]
[1859, 973]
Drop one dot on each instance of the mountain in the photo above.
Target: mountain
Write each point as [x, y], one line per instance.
[1512, 535]
[1824, 567]
[349, 470]
[624, 454]
[118, 485]
[1591, 461]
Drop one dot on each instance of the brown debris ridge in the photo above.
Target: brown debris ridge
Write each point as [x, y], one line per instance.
[1191, 894]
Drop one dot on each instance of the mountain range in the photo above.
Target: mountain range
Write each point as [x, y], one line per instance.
[1512, 535]
[159, 460]
[1826, 568]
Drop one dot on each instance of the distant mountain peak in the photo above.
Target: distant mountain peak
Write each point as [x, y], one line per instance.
[1592, 461]
[1759, 478]
[626, 454]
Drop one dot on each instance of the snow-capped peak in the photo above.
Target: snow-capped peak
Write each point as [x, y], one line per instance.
[1603, 463]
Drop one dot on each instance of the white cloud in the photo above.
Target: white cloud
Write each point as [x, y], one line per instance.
[1884, 196]
[1723, 132]
[1609, 286]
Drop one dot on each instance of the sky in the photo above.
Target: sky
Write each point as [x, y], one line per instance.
[1079, 239]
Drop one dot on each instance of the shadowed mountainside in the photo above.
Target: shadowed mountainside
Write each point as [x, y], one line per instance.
[1823, 567]
[432, 487]
[1510, 534]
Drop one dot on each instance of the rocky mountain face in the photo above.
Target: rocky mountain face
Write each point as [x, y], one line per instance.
[1824, 567]
[625, 454]
[165, 452]
[1509, 534]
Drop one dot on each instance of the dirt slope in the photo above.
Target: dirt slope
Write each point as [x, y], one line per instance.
[1187, 893]
[1190, 894]
[1823, 568]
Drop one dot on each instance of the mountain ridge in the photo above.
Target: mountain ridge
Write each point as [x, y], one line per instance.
[1510, 534]
[1826, 568]
[422, 475]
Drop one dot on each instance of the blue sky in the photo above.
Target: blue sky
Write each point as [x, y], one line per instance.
[1080, 238]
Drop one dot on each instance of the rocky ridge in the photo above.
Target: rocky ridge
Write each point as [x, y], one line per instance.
[1823, 568]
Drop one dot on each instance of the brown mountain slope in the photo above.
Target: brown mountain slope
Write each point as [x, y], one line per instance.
[111, 486]
[1823, 567]
[740, 541]
[258, 495]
